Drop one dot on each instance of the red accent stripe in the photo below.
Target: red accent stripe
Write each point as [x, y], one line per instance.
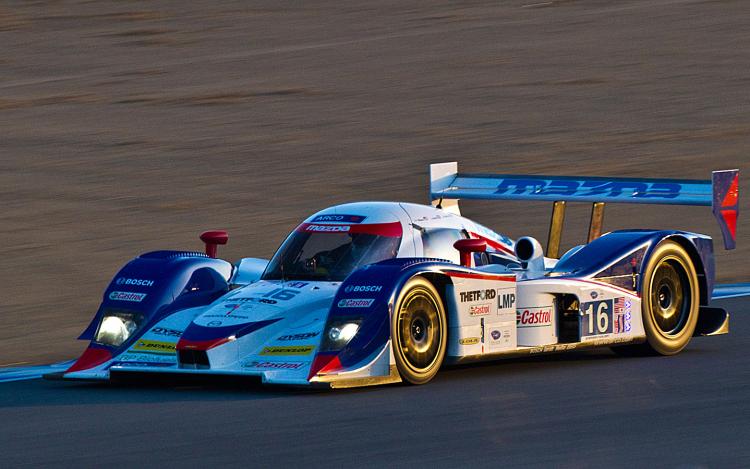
[501, 278]
[730, 200]
[730, 218]
[200, 345]
[392, 230]
[493, 244]
[324, 362]
[91, 357]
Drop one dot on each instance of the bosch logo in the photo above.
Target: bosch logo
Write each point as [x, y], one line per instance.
[478, 295]
[594, 295]
[363, 288]
[134, 281]
[496, 335]
[534, 316]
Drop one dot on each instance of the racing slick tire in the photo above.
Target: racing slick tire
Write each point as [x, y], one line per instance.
[420, 331]
[670, 301]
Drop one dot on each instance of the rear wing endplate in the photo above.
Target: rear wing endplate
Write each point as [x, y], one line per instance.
[721, 193]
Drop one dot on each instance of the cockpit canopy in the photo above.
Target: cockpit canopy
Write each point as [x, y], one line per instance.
[330, 252]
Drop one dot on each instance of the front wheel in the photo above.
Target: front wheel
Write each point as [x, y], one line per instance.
[420, 331]
[670, 301]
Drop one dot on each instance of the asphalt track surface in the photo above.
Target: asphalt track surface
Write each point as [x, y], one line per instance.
[133, 126]
[590, 409]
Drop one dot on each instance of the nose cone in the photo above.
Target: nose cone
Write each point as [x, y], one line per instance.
[269, 328]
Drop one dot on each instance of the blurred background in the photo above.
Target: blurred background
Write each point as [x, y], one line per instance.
[129, 126]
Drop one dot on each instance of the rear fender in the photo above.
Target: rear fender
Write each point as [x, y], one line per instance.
[621, 257]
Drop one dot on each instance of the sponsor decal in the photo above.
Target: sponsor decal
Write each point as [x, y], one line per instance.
[501, 337]
[153, 346]
[479, 310]
[599, 188]
[288, 350]
[338, 219]
[507, 300]
[594, 294]
[277, 293]
[534, 317]
[328, 228]
[261, 365]
[623, 315]
[477, 295]
[127, 296]
[140, 364]
[130, 357]
[363, 288]
[134, 281]
[356, 303]
[166, 332]
[214, 324]
[232, 307]
[295, 284]
[300, 336]
[469, 341]
[234, 316]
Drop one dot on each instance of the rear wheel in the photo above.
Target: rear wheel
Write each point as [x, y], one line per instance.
[420, 330]
[670, 301]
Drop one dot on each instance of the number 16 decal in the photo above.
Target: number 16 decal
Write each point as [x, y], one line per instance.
[596, 318]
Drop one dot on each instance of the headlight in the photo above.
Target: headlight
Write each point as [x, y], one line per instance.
[117, 328]
[338, 334]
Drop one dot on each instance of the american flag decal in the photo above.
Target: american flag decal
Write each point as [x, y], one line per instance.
[622, 316]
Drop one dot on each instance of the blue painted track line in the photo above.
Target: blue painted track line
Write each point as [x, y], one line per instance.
[31, 372]
[733, 290]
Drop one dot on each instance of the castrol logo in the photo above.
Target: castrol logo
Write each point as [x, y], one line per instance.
[479, 310]
[534, 316]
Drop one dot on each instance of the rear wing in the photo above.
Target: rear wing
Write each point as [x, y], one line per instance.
[721, 193]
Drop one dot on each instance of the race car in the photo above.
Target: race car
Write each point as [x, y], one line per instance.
[383, 292]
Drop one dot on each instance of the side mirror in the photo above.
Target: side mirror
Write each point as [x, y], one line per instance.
[213, 239]
[467, 247]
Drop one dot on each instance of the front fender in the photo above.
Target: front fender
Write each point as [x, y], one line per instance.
[369, 295]
[153, 286]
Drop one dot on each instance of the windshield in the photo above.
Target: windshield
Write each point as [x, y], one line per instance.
[332, 252]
